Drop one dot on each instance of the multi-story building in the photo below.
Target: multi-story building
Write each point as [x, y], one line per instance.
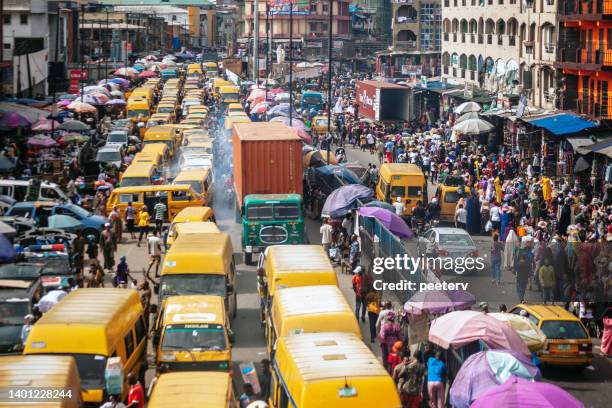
[416, 32]
[381, 18]
[585, 57]
[504, 46]
[310, 26]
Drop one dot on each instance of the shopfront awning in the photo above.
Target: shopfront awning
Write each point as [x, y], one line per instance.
[562, 124]
[581, 144]
[604, 147]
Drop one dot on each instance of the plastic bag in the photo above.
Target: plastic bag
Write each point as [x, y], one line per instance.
[488, 226]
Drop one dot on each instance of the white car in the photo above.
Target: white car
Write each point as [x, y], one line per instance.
[117, 137]
[448, 243]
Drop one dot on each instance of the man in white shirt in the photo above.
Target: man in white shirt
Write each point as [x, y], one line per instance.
[326, 231]
[399, 206]
[154, 244]
[461, 217]
[494, 215]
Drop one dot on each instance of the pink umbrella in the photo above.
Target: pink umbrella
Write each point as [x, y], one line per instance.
[41, 141]
[120, 102]
[276, 91]
[459, 328]
[257, 93]
[303, 134]
[147, 74]
[64, 103]
[45, 125]
[260, 108]
[81, 107]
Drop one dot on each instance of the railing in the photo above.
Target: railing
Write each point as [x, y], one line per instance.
[585, 8]
[500, 40]
[512, 40]
[549, 48]
[406, 20]
[489, 38]
[480, 38]
[445, 36]
[463, 37]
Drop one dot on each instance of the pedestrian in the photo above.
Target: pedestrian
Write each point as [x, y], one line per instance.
[436, 380]
[92, 248]
[386, 308]
[130, 216]
[361, 284]
[265, 379]
[394, 357]
[399, 206]
[143, 223]
[248, 395]
[113, 402]
[122, 274]
[409, 378]
[326, 231]
[78, 247]
[96, 275]
[523, 268]
[354, 252]
[373, 302]
[380, 149]
[28, 321]
[546, 276]
[389, 334]
[496, 259]
[159, 211]
[136, 393]
[114, 218]
[108, 245]
[460, 217]
[154, 245]
[145, 299]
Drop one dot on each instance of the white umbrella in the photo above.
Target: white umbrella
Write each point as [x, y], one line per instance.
[282, 97]
[466, 116]
[468, 107]
[473, 127]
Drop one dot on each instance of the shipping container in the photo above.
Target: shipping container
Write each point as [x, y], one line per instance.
[383, 101]
[267, 159]
[233, 64]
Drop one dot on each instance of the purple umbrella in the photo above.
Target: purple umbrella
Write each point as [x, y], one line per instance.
[116, 102]
[41, 141]
[282, 109]
[389, 219]
[519, 393]
[285, 120]
[340, 201]
[14, 120]
[437, 301]
[488, 369]
[121, 81]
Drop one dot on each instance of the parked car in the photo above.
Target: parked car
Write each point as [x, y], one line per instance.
[117, 137]
[21, 224]
[110, 155]
[41, 211]
[450, 244]
[18, 189]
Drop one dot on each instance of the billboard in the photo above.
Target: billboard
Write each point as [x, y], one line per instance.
[282, 7]
[367, 98]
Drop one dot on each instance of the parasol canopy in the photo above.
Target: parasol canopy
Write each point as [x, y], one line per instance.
[14, 120]
[460, 328]
[82, 107]
[526, 329]
[147, 74]
[256, 94]
[41, 141]
[389, 219]
[45, 125]
[486, 370]
[94, 89]
[380, 204]
[520, 393]
[466, 107]
[119, 102]
[282, 109]
[343, 199]
[260, 107]
[303, 134]
[73, 138]
[473, 127]
[438, 302]
[69, 97]
[285, 120]
[466, 116]
[126, 72]
[74, 126]
[6, 164]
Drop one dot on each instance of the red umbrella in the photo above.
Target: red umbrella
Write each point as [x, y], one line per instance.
[147, 74]
[276, 91]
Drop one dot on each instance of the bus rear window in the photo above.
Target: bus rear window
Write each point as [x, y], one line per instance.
[563, 329]
[260, 212]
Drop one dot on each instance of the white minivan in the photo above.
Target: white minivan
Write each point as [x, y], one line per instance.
[17, 190]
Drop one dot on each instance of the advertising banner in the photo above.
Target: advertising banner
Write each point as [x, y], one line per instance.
[367, 100]
[282, 7]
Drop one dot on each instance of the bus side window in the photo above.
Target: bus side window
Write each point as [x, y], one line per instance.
[128, 341]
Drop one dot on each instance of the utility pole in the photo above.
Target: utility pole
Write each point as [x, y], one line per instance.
[81, 50]
[291, 63]
[55, 79]
[105, 44]
[256, 42]
[267, 46]
[2, 31]
[329, 78]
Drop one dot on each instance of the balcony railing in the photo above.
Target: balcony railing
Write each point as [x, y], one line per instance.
[578, 9]
[406, 44]
[586, 59]
[512, 40]
[489, 38]
[406, 20]
[446, 36]
[549, 48]
[480, 39]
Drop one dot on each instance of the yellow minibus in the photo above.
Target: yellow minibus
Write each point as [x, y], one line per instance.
[195, 389]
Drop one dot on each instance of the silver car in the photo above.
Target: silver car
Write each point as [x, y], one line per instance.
[448, 244]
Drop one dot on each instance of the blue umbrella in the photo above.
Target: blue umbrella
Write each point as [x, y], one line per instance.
[7, 251]
[344, 199]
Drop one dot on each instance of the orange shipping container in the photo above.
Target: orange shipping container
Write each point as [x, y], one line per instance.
[267, 159]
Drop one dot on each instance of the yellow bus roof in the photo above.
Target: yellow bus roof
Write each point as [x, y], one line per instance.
[327, 311]
[228, 89]
[194, 309]
[210, 64]
[191, 389]
[320, 364]
[154, 148]
[87, 321]
[235, 106]
[139, 169]
[160, 132]
[188, 214]
[192, 174]
[298, 265]
[199, 254]
[229, 121]
[42, 371]
[198, 227]
[153, 188]
[400, 169]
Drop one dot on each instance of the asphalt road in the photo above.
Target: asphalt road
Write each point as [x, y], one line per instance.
[592, 386]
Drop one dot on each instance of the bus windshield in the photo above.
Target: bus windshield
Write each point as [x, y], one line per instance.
[192, 284]
[194, 336]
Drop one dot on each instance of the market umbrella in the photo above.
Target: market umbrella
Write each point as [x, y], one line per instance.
[147, 74]
[64, 103]
[581, 165]
[94, 88]
[438, 301]
[486, 370]
[6, 164]
[92, 100]
[120, 81]
[277, 91]
[7, 230]
[285, 120]
[7, 251]
[74, 126]
[282, 109]
[256, 93]
[14, 120]
[126, 72]
[41, 141]
[520, 393]
[282, 97]
[340, 201]
[81, 107]
[389, 219]
[459, 328]
[70, 97]
[73, 138]
[467, 107]
[313, 159]
[380, 204]
[531, 334]
[61, 221]
[303, 134]
[466, 116]
[120, 102]
[473, 127]
[358, 169]
[116, 93]
[139, 67]
[331, 170]
[45, 125]
[260, 108]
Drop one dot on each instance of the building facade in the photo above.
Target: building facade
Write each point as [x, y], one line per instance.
[585, 57]
[504, 46]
